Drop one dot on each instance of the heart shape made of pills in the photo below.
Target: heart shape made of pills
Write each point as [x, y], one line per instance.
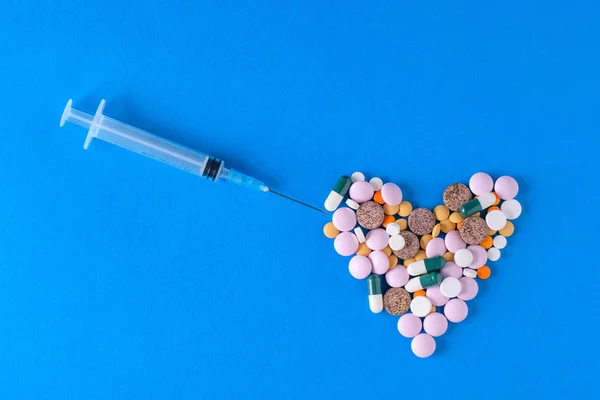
[430, 258]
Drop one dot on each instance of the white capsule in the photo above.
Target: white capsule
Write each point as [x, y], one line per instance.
[499, 242]
[397, 242]
[376, 303]
[469, 273]
[463, 258]
[487, 200]
[360, 235]
[493, 254]
[352, 204]
[333, 201]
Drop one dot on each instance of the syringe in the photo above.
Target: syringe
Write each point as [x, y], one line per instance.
[139, 141]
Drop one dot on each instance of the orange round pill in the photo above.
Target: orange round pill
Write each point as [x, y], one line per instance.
[403, 223]
[492, 208]
[388, 219]
[377, 197]
[449, 256]
[330, 231]
[363, 250]
[408, 261]
[458, 224]
[387, 250]
[419, 293]
[497, 199]
[487, 242]
[484, 272]
[393, 261]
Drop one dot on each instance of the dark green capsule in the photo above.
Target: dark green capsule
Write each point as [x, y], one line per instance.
[342, 185]
[470, 207]
[431, 279]
[374, 283]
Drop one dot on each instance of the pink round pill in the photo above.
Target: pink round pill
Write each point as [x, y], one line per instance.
[506, 187]
[435, 295]
[409, 325]
[435, 247]
[391, 194]
[360, 267]
[397, 277]
[377, 239]
[361, 191]
[481, 183]
[479, 256]
[469, 290]
[380, 262]
[346, 244]
[454, 242]
[451, 269]
[435, 324]
[423, 345]
[344, 219]
[456, 310]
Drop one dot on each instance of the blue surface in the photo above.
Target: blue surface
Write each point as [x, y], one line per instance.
[123, 278]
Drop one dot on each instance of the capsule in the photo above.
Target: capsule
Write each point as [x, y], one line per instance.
[427, 265]
[423, 282]
[478, 204]
[340, 189]
[375, 297]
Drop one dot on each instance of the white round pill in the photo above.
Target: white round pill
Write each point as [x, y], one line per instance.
[469, 273]
[392, 229]
[421, 306]
[463, 258]
[450, 287]
[493, 254]
[511, 208]
[357, 176]
[376, 183]
[495, 220]
[397, 242]
[352, 204]
[499, 242]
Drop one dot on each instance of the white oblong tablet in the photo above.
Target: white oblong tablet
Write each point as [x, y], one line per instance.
[463, 258]
[360, 235]
[450, 287]
[495, 220]
[377, 183]
[493, 254]
[469, 273]
[352, 204]
[357, 176]
[499, 242]
[397, 242]
[511, 208]
[392, 229]
[421, 306]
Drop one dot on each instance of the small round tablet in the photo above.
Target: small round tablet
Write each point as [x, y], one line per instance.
[392, 229]
[481, 183]
[456, 310]
[511, 208]
[495, 220]
[346, 244]
[330, 230]
[436, 296]
[435, 324]
[411, 246]
[376, 183]
[451, 269]
[506, 187]
[397, 242]
[409, 325]
[493, 254]
[397, 277]
[360, 267]
[379, 261]
[361, 191]
[450, 287]
[391, 194]
[463, 258]
[423, 345]
[357, 176]
[421, 221]
[473, 230]
[396, 301]
[344, 219]
[435, 247]
[370, 215]
[377, 239]
[420, 306]
[456, 195]
[508, 229]
[479, 256]
[469, 288]
[454, 242]
[500, 242]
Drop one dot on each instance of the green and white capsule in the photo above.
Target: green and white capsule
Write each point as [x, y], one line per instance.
[340, 189]
[375, 297]
[427, 265]
[479, 204]
[423, 282]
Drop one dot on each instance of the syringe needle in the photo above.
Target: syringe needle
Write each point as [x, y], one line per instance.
[298, 201]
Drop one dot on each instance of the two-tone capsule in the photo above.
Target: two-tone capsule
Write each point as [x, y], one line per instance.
[423, 282]
[427, 265]
[478, 204]
[340, 189]
[375, 297]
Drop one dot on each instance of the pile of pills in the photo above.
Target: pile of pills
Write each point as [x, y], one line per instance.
[430, 258]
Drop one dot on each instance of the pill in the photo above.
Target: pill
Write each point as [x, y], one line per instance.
[497, 199]
[500, 242]
[493, 254]
[491, 232]
[450, 287]
[436, 230]
[463, 258]
[449, 256]
[345, 244]
[473, 230]
[363, 250]
[506, 187]
[479, 256]
[454, 242]
[388, 219]
[379, 261]
[484, 272]
[330, 230]
[359, 267]
[391, 194]
[427, 265]
[352, 204]
[392, 229]
[455, 217]
[409, 325]
[436, 296]
[340, 189]
[397, 242]
[492, 208]
[375, 297]
[408, 261]
[397, 277]
[496, 220]
[387, 250]
[423, 281]
[376, 183]
[511, 208]
[456, 310]
[451, 269]
[344, 219]
[421, 255]
[425, 241]
[447, 226]
[402, 223]
[469, 273]
[477, 204]
[435, 247]
[481, 183]
[487, 242]
[419, 293]
[360, 235]
[435, 324]
[423, 345]
[377, 239]
[420, 306]
[411, 246]
[390, 210]
[441, 212]
[357, 176]
[396, 301]
[508, 229]
[469, 288]
[405, 209]
[370, 215]
[377, 198]
[393, 261]
[361, 191]
[456, 195]
[421, 221]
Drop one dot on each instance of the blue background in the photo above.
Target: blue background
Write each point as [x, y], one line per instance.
[124, 278]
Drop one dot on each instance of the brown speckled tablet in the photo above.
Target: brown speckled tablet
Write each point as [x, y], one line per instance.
[411, 246]
[456, 195]
[396, 301]
[473, 230]
[370, 215]
[421, 221]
